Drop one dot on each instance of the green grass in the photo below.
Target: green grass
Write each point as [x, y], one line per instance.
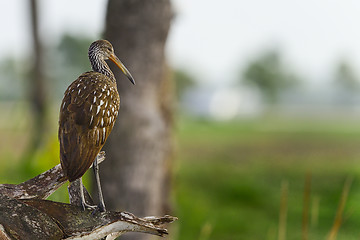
[228, 177]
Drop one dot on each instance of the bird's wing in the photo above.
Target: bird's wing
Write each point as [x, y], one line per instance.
[87, 116]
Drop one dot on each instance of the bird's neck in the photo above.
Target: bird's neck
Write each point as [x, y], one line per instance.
[99, 65]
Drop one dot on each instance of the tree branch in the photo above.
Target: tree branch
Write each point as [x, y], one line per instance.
[24, 214]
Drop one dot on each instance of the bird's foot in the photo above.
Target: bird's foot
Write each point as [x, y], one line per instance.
[88, 206]
[94, 208]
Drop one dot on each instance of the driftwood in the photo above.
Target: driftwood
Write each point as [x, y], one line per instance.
[24, 214]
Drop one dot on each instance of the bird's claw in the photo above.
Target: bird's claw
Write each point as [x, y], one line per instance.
[94, 208]
[88, 206]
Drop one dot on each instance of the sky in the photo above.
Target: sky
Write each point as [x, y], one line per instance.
[214, 39]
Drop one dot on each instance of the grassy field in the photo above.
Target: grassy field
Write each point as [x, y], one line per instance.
[229, 175]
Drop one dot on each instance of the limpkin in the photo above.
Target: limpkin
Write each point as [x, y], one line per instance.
[87, 115]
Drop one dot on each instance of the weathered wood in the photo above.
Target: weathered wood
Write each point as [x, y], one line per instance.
[44, 219]
[74, 194]
[74, 220]
[21, 221]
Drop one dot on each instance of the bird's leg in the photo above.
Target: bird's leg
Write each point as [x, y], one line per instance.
[97, 178]
[82, 197]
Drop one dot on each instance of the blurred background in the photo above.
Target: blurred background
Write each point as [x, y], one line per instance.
[265, 109]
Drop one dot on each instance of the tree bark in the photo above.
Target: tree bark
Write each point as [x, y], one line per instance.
[139, 149]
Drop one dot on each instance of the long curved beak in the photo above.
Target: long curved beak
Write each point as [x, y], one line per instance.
[118, 63]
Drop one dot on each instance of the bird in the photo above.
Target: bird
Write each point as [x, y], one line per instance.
[87, 115]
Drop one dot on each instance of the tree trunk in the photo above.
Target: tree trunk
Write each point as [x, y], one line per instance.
[37, 93]
[139, 149]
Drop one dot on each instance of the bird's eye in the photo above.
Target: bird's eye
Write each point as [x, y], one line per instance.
[109, 49]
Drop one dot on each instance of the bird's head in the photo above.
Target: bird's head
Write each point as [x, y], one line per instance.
[103, 50]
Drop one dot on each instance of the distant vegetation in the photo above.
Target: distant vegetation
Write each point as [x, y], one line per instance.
[270, 75]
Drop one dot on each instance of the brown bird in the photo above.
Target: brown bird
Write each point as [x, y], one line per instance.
[87, 115]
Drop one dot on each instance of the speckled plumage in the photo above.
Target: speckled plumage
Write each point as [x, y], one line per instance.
[88, 112]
